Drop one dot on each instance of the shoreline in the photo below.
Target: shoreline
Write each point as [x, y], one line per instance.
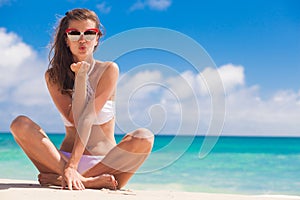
[203, 135]
[28, 189]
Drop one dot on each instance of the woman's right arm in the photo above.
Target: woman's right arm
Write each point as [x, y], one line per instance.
[62, 102]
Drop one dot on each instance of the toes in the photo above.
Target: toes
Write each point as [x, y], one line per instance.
[107, 181]
[112, 182]
[115, 185]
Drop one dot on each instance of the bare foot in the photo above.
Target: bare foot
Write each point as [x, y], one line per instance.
[103, 181]
[46, 179]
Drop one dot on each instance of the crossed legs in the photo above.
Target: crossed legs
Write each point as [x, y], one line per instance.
[120, 163]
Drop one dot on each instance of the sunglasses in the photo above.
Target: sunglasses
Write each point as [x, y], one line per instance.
[89, 34]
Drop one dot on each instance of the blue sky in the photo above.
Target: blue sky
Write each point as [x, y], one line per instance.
[256, 40]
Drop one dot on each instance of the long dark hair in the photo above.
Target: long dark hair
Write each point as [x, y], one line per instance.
[60, 56]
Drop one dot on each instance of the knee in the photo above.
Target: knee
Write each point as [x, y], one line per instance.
[143, 133]
[144, 138]
[20, 124]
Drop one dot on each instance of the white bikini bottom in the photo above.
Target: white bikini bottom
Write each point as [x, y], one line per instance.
[86, 162]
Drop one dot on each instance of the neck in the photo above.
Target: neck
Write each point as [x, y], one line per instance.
[90, 60]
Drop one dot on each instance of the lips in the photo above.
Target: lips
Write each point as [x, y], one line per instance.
[82, 48]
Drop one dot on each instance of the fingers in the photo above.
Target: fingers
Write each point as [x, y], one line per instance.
[84, 67]
[73, 179]
[75, 184]
[80, 67]
[70, 186]
[63, 183]
[78, 185]
[75, 67]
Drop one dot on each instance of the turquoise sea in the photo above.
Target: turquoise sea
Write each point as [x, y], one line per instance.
[243, 165]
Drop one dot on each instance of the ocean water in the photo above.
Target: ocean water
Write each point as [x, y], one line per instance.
[241, 165]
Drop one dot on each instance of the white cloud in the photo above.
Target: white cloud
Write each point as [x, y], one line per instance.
[21, 69]
[183, 100]
[232, 76]
[159, 5]
[104, 8]
[13, 53]
[22, 85]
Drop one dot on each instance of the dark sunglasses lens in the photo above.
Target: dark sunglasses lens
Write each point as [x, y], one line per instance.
[90, 32]
[74, 33]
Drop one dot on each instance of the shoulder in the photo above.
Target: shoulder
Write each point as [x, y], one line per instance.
[48, 76]
[109, 67]
[108, 75]
[51, 81]
[51, 85]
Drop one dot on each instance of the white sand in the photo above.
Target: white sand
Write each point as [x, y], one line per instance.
[29, 190]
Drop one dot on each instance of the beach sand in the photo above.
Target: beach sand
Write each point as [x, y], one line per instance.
[29, 190]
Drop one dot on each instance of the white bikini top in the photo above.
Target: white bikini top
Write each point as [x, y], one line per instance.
[105, 115]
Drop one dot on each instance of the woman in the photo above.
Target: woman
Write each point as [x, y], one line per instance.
[83, 90]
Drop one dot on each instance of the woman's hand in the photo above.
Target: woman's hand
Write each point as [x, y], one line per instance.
[72, 179]
[80, 67]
